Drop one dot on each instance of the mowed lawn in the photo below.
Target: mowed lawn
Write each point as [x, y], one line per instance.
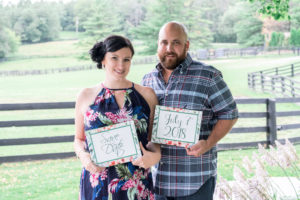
[59, 179]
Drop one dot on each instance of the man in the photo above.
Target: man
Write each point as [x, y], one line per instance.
[180, 82]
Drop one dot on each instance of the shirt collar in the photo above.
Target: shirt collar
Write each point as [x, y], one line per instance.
[183, 65]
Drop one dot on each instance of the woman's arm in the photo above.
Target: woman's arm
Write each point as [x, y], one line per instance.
[152, 155]
[79, 139]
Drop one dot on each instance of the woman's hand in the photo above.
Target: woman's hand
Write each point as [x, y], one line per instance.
[149, 158]
[88, 164]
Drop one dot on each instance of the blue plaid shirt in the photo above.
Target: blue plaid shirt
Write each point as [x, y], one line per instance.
[195, 86]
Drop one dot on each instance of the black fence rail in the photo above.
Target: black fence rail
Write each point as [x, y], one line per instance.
[270, 129]
[277, 80]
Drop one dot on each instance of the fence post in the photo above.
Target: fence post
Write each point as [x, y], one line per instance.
[253, 81]
[271, 122]
[292, 88]
[273, 85]
[262, 80]
[282, 85]
[292, 70]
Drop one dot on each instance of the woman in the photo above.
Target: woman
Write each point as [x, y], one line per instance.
[116, 100]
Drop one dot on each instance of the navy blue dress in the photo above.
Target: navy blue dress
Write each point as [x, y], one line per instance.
[122, 181]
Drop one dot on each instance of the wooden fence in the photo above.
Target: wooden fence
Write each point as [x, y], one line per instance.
[277, 80]
[270, 129]
[200, 54]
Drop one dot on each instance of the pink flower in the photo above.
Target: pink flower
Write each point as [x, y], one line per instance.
[94, 179]
[113, 184]
[91, 115]
[99, 99]
[128, 184]
[122, 116]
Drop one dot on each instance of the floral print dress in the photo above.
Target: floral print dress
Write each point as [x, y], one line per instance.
[122, 181]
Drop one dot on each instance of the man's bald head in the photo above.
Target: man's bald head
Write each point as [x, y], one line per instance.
[174, 26]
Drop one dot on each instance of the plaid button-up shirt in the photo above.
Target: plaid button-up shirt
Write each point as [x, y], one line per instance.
[195, 86]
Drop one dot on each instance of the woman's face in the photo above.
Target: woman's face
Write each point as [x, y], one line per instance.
[117, 63]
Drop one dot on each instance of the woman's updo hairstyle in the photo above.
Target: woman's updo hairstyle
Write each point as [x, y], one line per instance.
[110, 44]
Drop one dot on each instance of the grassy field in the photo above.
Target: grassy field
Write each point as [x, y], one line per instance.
[59, 179]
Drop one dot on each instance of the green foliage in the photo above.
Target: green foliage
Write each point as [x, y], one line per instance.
[248, 28]
[67, 16]
[295, 37]
[159, 13]
[278, 9]
[36, 22]
[9, 42]
[191, 13]
[277, 39]
[197, 24]
[102, 22]
[295, 14]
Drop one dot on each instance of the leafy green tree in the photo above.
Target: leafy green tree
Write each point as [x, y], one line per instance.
[36, 22]
[277, 39]
[130, 14]
[295, 14]
[102, 22]
[278, 9]
[159, 12]
[244, 22]
[83, 10]
[295, 37]
[67, 16]
[191, 13]
[194, 18]
[9, 42]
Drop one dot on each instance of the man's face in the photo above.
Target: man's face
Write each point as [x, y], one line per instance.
[172, 47]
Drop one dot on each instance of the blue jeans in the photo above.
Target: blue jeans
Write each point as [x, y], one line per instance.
[205, 192]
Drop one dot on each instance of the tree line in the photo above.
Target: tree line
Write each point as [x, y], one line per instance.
[207, 21]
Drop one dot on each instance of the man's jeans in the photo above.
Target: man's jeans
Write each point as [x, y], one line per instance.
[206, 192]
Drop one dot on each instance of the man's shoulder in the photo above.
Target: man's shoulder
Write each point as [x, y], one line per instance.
[203, 69]
[152, 73]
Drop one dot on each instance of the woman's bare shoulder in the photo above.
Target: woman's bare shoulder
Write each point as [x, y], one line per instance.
[147, 92]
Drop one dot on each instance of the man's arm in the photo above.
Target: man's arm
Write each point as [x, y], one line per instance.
[221, 128]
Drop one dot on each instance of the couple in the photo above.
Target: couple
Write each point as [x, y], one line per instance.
[177, 81]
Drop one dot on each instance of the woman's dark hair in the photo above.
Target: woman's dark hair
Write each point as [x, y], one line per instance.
[110, 44]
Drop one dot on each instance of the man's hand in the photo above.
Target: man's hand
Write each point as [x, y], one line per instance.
[148, 159]
[198, 149]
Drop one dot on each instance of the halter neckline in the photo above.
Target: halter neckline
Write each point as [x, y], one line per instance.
[116, 89]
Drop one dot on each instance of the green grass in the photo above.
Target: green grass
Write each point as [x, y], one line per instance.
[59, 179]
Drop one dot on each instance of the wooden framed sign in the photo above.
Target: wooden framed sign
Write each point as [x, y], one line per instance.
[114, 144]
[176, 126]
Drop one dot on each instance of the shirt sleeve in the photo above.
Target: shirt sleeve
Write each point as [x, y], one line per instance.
[220, 99]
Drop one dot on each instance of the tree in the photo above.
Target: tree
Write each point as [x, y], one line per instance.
[277, 39]
[67, 16]
[102, 22]
[295, 37]
[9, 42]
[159, 12]
[36, 22]
[191, 13]
[83, 10]
[278, 9]
[198, 25]
[249, 27]
[295, 14]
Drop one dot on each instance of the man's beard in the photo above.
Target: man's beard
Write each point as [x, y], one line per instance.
[171, 63]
